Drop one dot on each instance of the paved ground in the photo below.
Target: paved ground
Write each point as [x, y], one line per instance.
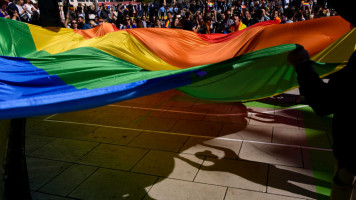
[172, 146]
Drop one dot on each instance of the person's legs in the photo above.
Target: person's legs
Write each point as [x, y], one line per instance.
[343, 185]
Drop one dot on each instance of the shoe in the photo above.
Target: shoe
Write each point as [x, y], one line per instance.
[343, 185]
[341, 192]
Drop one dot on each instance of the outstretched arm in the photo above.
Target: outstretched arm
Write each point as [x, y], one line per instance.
[317, 93]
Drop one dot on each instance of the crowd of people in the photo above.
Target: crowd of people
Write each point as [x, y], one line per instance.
[196, 15]
[21, 10]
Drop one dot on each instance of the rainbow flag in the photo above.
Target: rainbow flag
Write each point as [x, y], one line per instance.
[81, 69]
[210, 4]
[168, 24]
[305, 3]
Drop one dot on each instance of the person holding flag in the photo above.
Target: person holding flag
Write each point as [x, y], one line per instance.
[304, 3]
[236, 26]
[210, 4]
[71, 7]
[334, 97]
[169, 21]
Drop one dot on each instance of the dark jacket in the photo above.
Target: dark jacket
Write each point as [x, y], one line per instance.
[334, 97]
[11, 8]
[104, 13]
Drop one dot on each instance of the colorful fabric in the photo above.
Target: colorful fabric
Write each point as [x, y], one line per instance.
[128, 27]
[3, 13]
[305, 3]
[80, 69]
[240, 27]
[168, 24]
[210, 4]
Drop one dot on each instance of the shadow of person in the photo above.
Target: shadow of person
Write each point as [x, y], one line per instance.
[162, 164]
[292, 181]
[288, 180]
[283, 100]
[271, 118]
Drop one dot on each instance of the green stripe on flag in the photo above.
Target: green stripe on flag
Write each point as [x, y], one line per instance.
[16, 40]
[255, 75]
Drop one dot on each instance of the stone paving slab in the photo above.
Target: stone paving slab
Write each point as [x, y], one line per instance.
[233, 173]
[41, 171]
[177, 190]
[168, 164]
[164, 142]
[234, 193]
[113, 184]
[290, 181]
[64, 150]
[172, 146]
[272, 154]
[68, 180]
[113, 157]
[220, 148]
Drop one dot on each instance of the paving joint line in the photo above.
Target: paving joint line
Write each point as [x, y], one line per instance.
[198, 136]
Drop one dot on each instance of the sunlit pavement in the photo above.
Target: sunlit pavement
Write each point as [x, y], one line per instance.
[172, 146]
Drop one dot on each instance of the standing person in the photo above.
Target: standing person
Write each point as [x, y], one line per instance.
[276, 15]
[152, 21]
[13, 10]
[144, 21]
[3, 11]
[127, 24]
[151, 11]
[80, 9]
[247, 20]
[334, 98]
[158, 23]
[261, 15]
[131, 9]
[140, 9]
[170, 9]
[176, 10]
[61, 14]
[90, 13]
[145, 9]
[71, 13]
[288, 16]
[155, 6]
[138, 22]
[206, 26]
[65, 7]
[168, 23]
[30, 9]
[74, 24]
[104, 13]
[237, 25]
[175, 23]
[81, 23]
[299, 16]
[220, 23]
[162, 11]
[21, 11]
[188, 23]
[100, 21]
